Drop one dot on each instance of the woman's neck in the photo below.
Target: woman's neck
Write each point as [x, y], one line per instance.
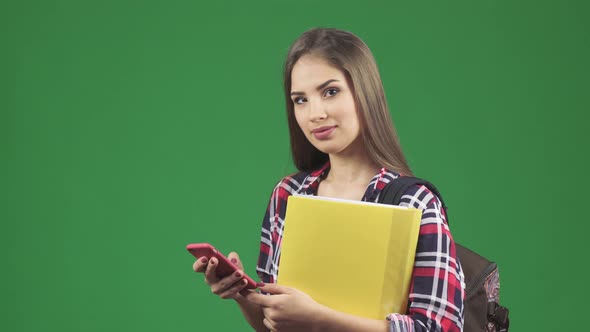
[351, 169]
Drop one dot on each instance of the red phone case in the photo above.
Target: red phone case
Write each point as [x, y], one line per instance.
[225, 266]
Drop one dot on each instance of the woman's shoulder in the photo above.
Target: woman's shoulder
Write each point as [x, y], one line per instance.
[297, 178]
[291, 184]
[419, 196]
[300, 182]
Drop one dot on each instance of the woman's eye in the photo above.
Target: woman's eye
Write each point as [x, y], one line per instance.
[331, 92]
[299, 100]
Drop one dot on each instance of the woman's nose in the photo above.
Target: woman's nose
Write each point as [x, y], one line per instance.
[317, 111]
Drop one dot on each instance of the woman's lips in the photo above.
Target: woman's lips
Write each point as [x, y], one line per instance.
[323, 132]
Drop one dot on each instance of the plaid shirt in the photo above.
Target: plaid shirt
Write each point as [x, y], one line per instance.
[437, 291]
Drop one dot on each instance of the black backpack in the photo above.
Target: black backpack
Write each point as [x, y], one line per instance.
[482, 310]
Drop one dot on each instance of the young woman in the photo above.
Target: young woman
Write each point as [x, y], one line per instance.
[344, 143]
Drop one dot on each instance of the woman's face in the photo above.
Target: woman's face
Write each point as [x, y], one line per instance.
[324, 105]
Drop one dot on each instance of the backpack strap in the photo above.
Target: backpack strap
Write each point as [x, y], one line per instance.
[392, 192]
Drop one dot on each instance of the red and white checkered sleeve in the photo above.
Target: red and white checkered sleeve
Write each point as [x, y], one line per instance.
[437, 291]
[267, 246]
[267, 267]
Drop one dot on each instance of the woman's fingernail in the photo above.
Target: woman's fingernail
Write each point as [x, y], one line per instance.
[233, 260]
[244, 281]
[238, 274]
[204, 259]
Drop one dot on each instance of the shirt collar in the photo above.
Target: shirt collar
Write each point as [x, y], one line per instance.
[311, 183]
[374, 187]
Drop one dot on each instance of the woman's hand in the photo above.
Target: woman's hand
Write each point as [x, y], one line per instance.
[286, 309]
[228, 287]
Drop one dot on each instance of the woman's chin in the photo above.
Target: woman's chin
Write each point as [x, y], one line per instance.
[329, 148]
[333, 148]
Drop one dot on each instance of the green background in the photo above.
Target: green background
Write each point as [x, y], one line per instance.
[131, 128]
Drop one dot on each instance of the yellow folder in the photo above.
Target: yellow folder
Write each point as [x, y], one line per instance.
[352, 256]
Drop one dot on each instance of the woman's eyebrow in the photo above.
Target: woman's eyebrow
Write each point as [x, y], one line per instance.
[323, 85]
[320, 87]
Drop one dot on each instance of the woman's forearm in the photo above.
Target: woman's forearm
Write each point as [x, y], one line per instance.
[252, 312]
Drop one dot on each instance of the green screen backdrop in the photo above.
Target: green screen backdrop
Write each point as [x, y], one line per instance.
[131, 128]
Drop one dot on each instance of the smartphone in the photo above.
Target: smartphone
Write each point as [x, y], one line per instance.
[225, 267]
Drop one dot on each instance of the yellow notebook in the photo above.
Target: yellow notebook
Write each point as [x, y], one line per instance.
[352, 256]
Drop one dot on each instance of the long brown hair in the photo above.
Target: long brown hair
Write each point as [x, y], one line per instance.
[350, 54]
